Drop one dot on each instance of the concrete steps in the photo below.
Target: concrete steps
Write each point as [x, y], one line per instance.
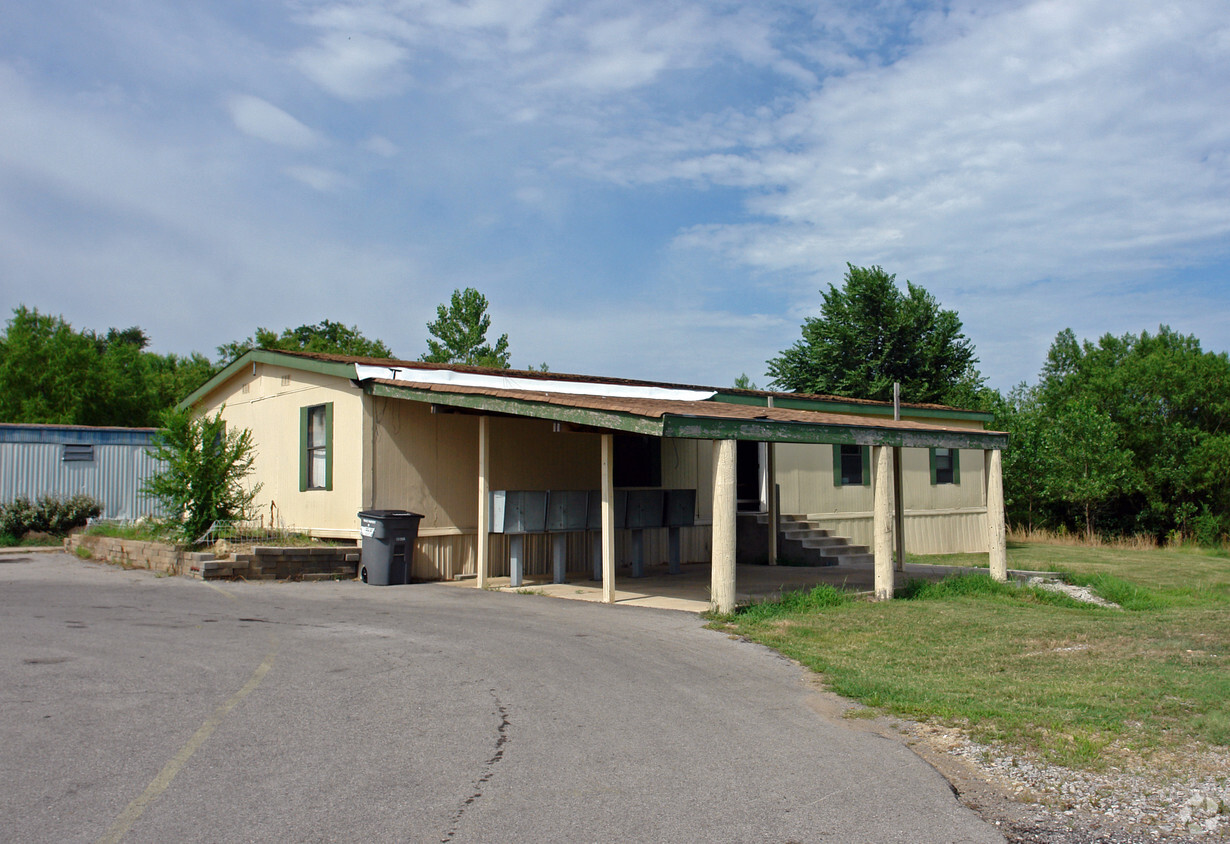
[804, 543]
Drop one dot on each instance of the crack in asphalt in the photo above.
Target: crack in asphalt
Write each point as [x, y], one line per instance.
[488, 768]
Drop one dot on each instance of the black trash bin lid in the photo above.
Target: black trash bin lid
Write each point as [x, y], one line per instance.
[389, 514]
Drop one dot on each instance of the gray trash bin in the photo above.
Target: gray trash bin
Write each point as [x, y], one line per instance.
[388, 546]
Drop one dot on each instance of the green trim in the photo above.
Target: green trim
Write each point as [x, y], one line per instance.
[836, 464]
[303, 449]
[322, 367]
[610, 420]
[764, 430]
[866, 455]
[329, 446]
[838, 406]
[956, 466]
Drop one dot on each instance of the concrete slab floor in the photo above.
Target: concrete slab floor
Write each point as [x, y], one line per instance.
[689, 590]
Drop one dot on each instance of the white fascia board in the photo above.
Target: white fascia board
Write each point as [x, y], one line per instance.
[448, 377]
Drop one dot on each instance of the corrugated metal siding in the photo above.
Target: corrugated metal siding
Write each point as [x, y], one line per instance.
[926, 532]
[114, 476]
[449, 556]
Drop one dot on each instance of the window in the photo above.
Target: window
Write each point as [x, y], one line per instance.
[316, 447]
[851, 465]
[945, 466]
[74, 453]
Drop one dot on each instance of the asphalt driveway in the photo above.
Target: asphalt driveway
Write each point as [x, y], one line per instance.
[145, 708]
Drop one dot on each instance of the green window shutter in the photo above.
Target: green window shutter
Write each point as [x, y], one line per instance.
[956, 465]
[865, 453]
[303, 449]
[931, 452]
[836, 465]
[329, 446]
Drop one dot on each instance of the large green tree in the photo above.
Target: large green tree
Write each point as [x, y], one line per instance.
[51, 373]
[1148, 415]
[870, 334]
[326, 337]
[460, 332]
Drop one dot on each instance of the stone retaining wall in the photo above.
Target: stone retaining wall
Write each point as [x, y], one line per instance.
[262, 563]
[326, 563]
[133, 553]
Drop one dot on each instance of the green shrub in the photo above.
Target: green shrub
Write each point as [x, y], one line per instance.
[47, 515]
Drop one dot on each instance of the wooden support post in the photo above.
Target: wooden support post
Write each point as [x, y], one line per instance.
[722, 577]
[608, 518]
[898, 509]
[898, 495]
[484, 502]
[774, 516]
[516, 559]
[997, 538]
[882, 524]
[770, 459]
[559, 557]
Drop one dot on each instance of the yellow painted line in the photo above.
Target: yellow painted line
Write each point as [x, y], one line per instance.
[216, 588]
[160, 783]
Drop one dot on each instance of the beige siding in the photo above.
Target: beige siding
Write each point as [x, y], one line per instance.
[269, 408]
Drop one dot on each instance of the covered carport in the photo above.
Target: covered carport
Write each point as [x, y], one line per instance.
[680, 415]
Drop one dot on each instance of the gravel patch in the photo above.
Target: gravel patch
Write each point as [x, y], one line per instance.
[1080, 593]
[1181, 799]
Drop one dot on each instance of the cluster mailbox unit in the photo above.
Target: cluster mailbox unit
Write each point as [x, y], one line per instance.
[560, 512]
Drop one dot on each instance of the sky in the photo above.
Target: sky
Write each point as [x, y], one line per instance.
[655, 190]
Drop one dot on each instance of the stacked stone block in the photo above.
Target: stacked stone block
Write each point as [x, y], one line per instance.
[263, 563]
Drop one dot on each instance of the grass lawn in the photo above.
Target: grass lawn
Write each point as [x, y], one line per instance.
[1082, 686]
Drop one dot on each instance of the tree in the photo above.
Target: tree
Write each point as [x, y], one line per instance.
[1027, 460]
[460, 330]
[202, 474]
[325, 337]
[52, 374]
[1088, 466]
[870, 334]
[1170, 403]
[743, 382]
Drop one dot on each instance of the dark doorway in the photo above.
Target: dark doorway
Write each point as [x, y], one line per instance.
[747, 475]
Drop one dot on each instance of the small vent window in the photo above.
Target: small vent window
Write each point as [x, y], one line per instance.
[247, 388]
[285, 380]
[74, 453]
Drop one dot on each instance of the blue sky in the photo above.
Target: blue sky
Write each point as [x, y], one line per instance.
[654, 190]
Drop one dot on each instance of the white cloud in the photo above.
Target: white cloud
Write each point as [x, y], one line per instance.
[381, 145]
[355, 66]
[265, 121]
[318, 178]
[1052, 140]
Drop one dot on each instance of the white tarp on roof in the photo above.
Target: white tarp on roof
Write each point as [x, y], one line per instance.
[539, 385]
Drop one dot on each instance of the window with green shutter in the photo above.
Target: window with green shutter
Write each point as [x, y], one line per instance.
[945, 466]
[851, 465]
[316, 447]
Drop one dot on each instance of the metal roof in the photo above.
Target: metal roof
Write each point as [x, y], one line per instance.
[693, 419]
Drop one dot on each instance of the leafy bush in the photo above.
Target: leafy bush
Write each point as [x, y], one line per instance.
[47, 514]
[203, 472]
